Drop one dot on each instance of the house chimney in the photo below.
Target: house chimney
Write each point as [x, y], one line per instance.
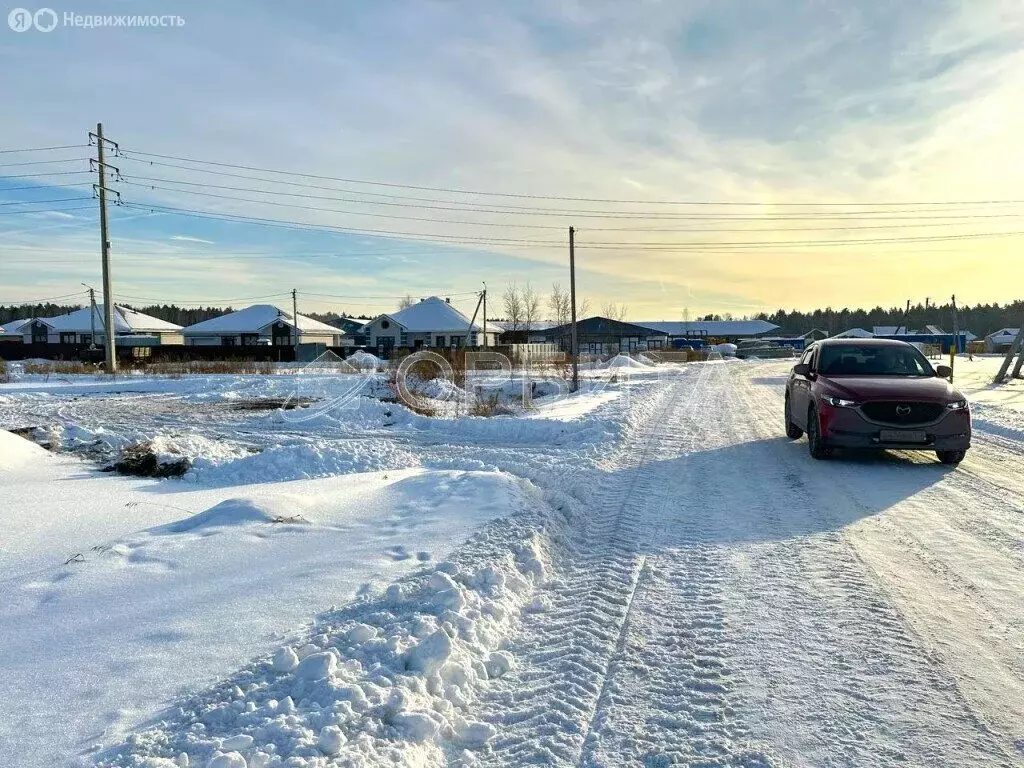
[447, 300]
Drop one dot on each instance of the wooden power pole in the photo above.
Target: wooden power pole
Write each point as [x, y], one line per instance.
[1017, 347]
[108, 290]
[572, 300]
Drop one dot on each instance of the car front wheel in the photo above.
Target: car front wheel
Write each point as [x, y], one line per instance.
[815, 442]
[793, 432]
[951, 457]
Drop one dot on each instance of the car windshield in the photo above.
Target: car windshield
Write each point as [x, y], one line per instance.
[872, 360]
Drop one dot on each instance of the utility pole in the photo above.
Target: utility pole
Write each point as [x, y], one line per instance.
[295, 321]
[485, 314]
[108, 291]
[572, 300]
[1017, 346]
[953, 350]
[92, 316]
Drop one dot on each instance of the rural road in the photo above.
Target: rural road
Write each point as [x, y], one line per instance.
[731, 602]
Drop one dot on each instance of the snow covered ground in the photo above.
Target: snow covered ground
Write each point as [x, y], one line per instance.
[647, 573]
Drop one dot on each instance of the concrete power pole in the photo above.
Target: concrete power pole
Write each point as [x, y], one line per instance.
[572, 300]
[108, 290]
[295, 321]
[485, 315]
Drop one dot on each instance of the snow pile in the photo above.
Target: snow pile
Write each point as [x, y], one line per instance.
[390, 680]
[228, 512]
[622, 361]
[302, 461]
[16, 451]
[726, 350]
[364, 361]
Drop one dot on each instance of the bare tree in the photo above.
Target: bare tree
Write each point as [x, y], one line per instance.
[582, 308]
[614, 311]
[513, 308]
[558, 304]
[531, 306]
[405, 302]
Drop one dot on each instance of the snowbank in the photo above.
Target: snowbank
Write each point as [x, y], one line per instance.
[16, 451]
[386, 680]
[364, 361]
[623, 361]
[195, 583]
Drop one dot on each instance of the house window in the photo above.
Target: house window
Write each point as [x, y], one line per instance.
[385, 324]
[249, 339]
[441, 341]
[67, 338]
[142, 352]
[227, 341]
[38, 334]
[281, 335]
[86, 338]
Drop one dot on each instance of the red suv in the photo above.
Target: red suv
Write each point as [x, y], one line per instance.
[875, 393]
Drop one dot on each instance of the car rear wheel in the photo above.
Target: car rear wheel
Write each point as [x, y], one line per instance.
[793, 432]
[815, 442]
[951, 457]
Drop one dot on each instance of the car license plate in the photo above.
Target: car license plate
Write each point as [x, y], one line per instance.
[902, 436]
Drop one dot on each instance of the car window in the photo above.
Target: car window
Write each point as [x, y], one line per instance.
[873, 360]
[806, 356]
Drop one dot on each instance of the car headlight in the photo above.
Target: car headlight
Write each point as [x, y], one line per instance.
[838, 402]
[957, 405]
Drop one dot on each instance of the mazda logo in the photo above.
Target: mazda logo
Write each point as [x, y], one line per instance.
[902, 410]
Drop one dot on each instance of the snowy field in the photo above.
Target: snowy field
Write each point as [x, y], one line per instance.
[646, 573]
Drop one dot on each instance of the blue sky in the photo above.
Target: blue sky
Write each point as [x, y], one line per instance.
[760, 101]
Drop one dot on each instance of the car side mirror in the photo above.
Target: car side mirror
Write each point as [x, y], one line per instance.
[802, 369]
[943, 371]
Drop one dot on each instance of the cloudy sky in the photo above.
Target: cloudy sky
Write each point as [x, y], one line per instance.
[795, 119]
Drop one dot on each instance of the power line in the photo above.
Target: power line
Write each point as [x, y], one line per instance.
[520, 211]
[48, 210]
[496, 208]
[46, 186]
[641, 246]
[42, 149]
[40, 202]
[44, 162]
[344, 212]
[484, 193]
[38, 175]
[416, 236]
[204, 301]
[42, 301]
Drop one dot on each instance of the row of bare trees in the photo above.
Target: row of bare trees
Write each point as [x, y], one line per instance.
[522, 306]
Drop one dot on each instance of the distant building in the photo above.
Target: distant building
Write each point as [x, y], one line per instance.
[431, 322]
[11, 331]
[854, 333]
[604, 336]
[722, 330]
[1000, 341]
[261, 325]
[534, 332]
[79, 327]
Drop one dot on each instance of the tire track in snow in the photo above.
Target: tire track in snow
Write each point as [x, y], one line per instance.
[670, 697]
[546, 708]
